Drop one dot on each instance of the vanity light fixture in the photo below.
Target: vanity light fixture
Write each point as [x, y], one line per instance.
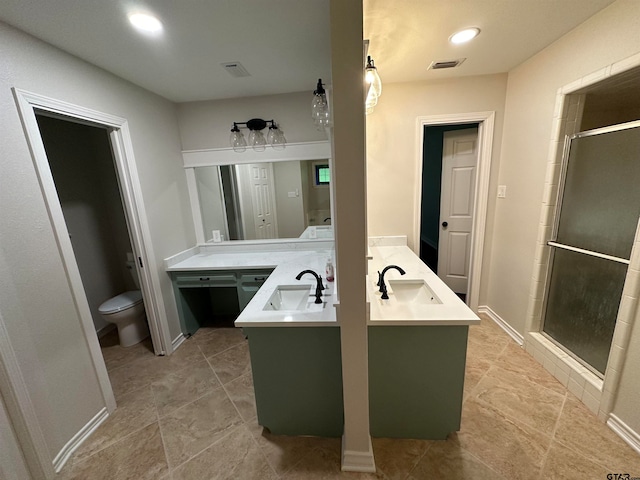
[374, 83]
[257, 141]
[320, 107]
[464, 36]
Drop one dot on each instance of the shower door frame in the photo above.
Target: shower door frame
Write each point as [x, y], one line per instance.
[598, 395]
[552, 242]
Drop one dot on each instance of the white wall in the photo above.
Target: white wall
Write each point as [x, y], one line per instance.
[211, 204]
[394, 151]
[609, 36]
[35, 298]
[12, 464]
[287, 178]
[208, 124]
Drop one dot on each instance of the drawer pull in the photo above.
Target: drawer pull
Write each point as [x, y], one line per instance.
[204, 279]
[259, 279]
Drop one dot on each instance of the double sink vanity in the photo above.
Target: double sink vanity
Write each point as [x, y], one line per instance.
[417, 337]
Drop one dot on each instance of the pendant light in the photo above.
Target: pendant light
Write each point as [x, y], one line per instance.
[374, 83]
[320, 107]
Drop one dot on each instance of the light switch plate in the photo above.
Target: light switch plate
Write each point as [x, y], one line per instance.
[216, 235]
[502, 191]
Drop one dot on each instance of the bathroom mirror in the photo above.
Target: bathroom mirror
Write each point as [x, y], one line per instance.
[287, 196]
[264, 200]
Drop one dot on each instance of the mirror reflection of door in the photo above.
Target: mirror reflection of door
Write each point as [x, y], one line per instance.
[262, 200]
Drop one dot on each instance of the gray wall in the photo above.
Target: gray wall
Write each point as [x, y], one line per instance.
[35, 298]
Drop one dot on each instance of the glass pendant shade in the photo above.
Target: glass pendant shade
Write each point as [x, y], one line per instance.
[237, 140]
[320, 107]
[257, 141]
[275, 138]
[372, 78]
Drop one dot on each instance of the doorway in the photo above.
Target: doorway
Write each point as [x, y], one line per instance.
[430, 175]
[83, 169]
[449, 163]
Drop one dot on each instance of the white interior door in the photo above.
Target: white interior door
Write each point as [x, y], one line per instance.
[263, 200]
[459, 163]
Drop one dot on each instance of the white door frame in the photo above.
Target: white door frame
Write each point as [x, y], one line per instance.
[485, 121]
[28, 103]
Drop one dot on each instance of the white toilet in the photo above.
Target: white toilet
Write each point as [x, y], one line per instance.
[126, 311]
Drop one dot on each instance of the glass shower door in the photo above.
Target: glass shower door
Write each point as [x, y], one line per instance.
[599, 206]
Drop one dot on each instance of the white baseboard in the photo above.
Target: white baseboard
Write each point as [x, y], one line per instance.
[77, 440]
[512, 332]
[358, 461]
[178, 341]
[625, 432]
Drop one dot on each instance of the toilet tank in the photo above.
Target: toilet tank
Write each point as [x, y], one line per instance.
[131, 266]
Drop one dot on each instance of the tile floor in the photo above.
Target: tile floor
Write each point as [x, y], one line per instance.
[192, 416]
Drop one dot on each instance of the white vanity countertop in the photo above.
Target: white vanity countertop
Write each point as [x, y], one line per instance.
[452, 311]
[286, 264]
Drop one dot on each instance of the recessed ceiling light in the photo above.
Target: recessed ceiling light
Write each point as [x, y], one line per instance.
[145, 23]
[464, 36]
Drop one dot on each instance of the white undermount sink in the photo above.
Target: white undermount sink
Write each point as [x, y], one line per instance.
[292, 298]
[414, 291]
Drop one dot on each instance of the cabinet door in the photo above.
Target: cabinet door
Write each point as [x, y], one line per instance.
[249, 283]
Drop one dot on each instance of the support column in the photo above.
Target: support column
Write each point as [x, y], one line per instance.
[350, 229]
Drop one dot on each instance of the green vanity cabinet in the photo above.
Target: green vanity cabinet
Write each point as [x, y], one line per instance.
[416, 380]
[297, 378]
[249, 282]
[214, 297]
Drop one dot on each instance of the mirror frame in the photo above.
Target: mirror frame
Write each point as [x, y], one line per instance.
[226, 156]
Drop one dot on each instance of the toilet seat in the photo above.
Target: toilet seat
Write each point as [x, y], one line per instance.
[121, 302]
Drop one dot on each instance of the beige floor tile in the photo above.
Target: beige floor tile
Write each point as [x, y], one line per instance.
[397, 457]
[525, 401]
[231, 363]
[282, 451]
[242, 395]
[135, 410]
[183, 387]
[194, 427]
[581, 430]
[447, 459]
[512, 449]
[318, 464]
[515, 359]
[132, 376]
[475, 369]
[564, 464]
[140, 456]
[487, 351]
[216, 340]
[116, 356]
[234, 457]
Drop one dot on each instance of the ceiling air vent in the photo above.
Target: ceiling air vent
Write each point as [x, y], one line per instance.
[235, 69]
[446, 64]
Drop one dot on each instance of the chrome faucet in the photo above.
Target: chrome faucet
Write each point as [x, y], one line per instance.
[383, 286]
[319, 286]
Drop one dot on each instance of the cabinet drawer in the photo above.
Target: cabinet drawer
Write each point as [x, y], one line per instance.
[205, 279]
[254, 278]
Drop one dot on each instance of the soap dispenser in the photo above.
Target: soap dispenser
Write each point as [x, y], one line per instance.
[329, 270]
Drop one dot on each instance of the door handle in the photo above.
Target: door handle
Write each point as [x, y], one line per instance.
[445, 224]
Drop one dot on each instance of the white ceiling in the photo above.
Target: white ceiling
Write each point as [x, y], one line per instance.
[284, 44]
